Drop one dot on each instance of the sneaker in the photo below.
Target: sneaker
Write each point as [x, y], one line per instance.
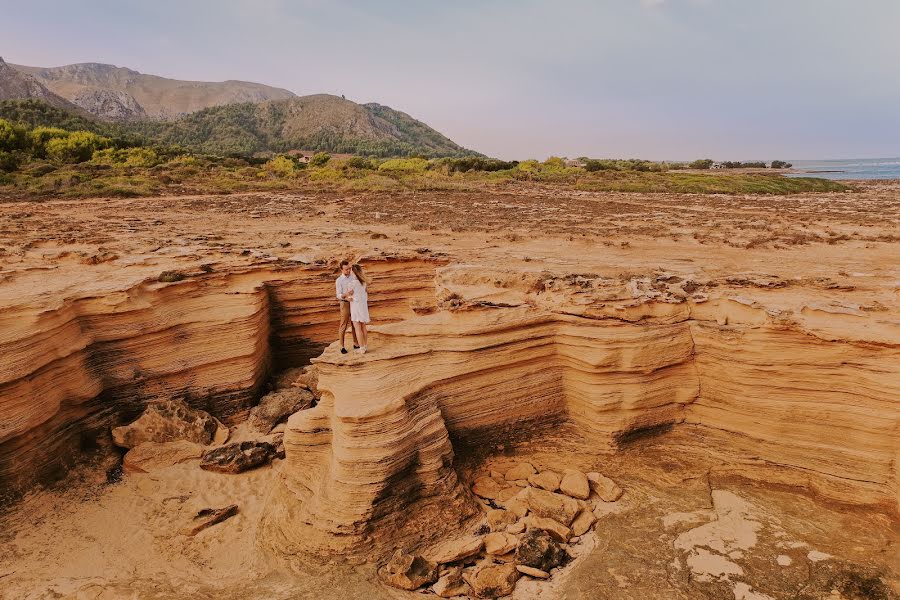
[343, 351]
[355, 347]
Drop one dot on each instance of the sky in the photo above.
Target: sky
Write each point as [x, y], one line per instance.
[655, 79]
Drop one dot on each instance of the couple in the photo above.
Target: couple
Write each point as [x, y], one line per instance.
[350, 288]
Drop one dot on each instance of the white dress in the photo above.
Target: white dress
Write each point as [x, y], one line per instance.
[359, 306]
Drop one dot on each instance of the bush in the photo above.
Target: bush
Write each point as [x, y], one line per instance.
[600, 165]
[780, 164]
[126, 157]
[280, 166]
[703, 163]
[12, 137]
[10, 161]
[41, 135]
[78, 146]
[358, 162]
[404, 165]
[554, 163]
[319, 159]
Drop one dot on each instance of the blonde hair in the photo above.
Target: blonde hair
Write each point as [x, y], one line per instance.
[358, 271]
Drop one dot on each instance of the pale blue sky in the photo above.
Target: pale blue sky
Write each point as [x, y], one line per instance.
[677, 79]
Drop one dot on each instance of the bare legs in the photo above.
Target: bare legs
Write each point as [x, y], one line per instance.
[362, 334]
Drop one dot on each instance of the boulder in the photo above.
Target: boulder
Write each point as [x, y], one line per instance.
[169, 421]
[277, 405]
[309, 379]
[517, 506]
[507, 493]
[583, 522]
[551, 505]
[520, 471]
[546, 480]
[557, 530]
[455, 550]
[539, 551]
[500, 543]
[532, 572]
[492, 581]
[237, 457]
[604, 487]
[408, 572]
[575, 484]
[285, 380]
[150, 456]
[516, 528]
[487, 488]
[498, 519]
[451, 584]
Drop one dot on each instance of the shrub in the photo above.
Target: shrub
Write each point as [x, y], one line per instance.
[554, 163]
[358, 162]
[319, 159]
[41, 135]
[10, 161]
[78, 146]
[404, 165]
[126, 157]
[280, 166]
[12, 137]
[703, 163]
[600, 165]
[780, 164]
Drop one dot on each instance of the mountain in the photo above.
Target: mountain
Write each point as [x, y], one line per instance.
[15, 85]
[318, 122]
[121, 94]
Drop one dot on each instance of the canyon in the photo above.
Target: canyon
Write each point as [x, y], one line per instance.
[727, 359]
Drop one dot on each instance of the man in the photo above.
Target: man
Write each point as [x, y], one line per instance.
[342, 291]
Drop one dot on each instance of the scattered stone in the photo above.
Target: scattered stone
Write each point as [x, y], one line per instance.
[209, 517]
[487, 488]
[500, 543]
[455, 550]
[491, 581]
[784, 560]
[451, 584]
[604, 487]
[150, 456]
[517, 506]
[516, 528]
[540, 551]
[237, 457]
[408, 572]
[498, 519]
[551, 505]
[583, 522]
[508, 493]
[575, 484]
[546, 480]
[520, 471]
[532, 572]
[275, 406]
[520, 483]
[168, 421]
[557, 530]
[498, 477]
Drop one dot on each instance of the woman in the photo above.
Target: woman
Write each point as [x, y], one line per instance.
[359, 306]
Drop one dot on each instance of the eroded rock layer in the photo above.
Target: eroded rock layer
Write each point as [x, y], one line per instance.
[72, 371]
[773, 389]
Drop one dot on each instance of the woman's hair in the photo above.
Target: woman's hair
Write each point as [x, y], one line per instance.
[358, 271]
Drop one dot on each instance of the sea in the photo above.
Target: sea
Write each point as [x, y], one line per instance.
[855, 168]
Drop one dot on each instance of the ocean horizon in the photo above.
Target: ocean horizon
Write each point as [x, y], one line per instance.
[849, 168]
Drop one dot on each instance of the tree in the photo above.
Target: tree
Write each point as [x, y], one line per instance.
[78, 146]
[319, 159]
[780, 164]
[703, 163]
[12, 137]
[281, 166]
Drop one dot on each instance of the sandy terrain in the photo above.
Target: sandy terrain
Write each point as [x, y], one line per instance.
[809, 283]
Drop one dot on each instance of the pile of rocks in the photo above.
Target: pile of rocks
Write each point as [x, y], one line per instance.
[533, 521]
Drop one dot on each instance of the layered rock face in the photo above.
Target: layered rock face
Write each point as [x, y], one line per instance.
[71, 372]
[773, 390]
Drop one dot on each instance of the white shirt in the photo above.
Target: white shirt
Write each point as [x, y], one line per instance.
[342, 285]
